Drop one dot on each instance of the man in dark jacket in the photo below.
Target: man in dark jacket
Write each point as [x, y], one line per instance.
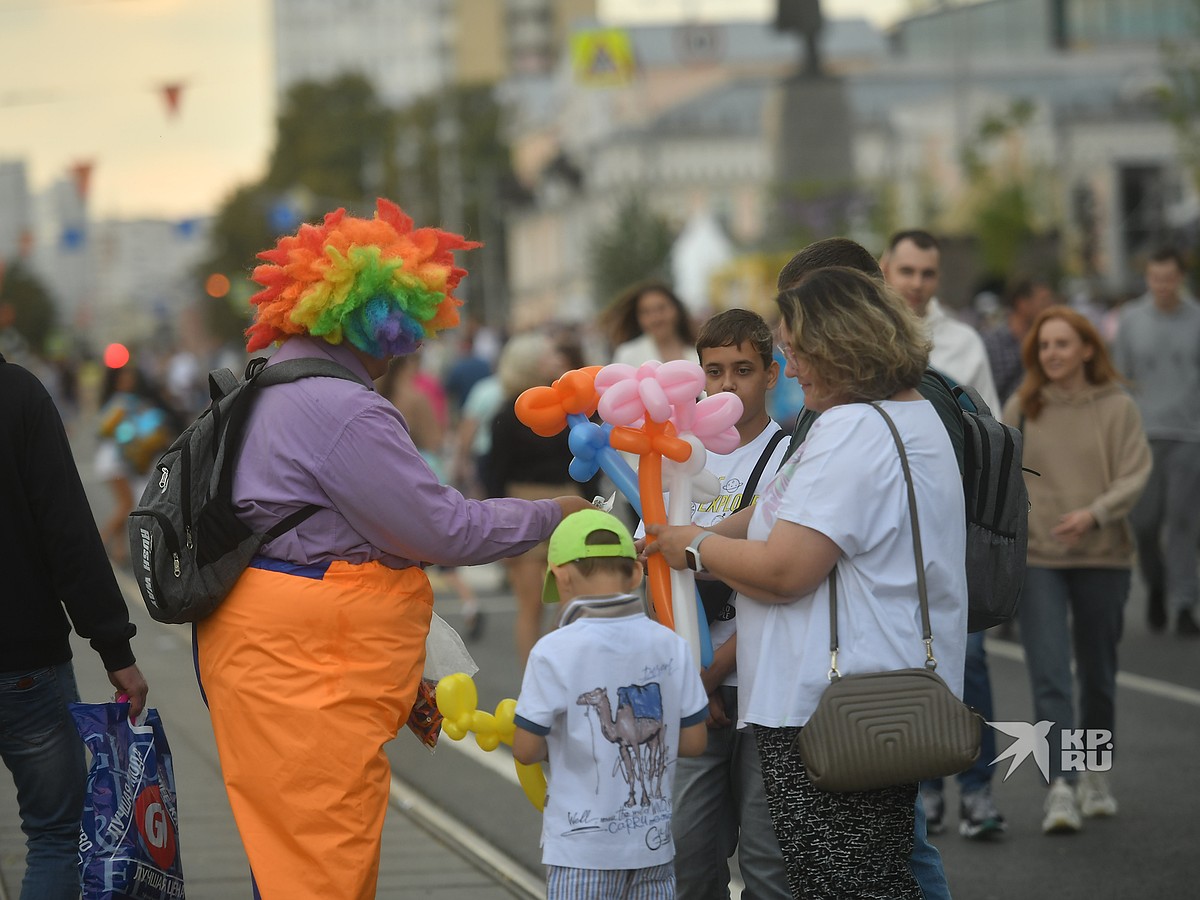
[54, 565]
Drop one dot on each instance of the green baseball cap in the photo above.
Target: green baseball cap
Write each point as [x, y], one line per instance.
[569, 543]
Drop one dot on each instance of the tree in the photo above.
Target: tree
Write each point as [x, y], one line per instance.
[339, 145]
[636, 246]
[1003, 216]
[26, 306]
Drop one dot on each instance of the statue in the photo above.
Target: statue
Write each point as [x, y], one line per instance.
[804, 18]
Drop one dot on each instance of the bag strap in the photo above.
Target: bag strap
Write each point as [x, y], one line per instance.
[260, 375]
[918, 556]
[752, 481]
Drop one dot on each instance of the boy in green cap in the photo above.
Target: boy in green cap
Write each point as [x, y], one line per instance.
[606, 828]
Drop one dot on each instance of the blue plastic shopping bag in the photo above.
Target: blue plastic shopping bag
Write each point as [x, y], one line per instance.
[129, 835]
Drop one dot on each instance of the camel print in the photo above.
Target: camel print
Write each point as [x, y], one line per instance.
[639, 733]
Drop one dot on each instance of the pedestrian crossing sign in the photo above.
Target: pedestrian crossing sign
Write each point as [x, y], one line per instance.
[602, 57]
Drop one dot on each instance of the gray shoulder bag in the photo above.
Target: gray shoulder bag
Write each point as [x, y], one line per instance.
[882, 729]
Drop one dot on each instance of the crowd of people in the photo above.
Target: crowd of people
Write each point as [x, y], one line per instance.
[419, 466]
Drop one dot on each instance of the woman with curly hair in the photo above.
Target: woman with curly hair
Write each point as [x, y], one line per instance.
[839, 508]
[313, 661]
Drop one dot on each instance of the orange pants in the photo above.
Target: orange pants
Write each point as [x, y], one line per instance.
[306, 679]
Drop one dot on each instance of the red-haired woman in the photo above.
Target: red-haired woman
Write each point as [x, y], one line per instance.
[1084, 436]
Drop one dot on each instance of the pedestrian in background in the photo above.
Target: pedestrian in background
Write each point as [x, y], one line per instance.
[136, 424]
[526, 465]
[913, 266]
[54, 566]
[1084, 438]
[1022, 301]
[1158, 349]
[647, 322]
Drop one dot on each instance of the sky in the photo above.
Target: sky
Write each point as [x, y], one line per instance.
[81, 82]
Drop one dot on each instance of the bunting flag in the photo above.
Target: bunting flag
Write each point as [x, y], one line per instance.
[603, 57]
[82, 173]
[171, 95]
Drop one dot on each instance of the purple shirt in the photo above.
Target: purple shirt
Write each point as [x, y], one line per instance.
[344, 448]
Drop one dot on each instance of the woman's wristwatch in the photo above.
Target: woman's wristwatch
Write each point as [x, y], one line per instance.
[691, 553]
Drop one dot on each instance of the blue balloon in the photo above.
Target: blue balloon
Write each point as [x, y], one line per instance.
[706, 647]
[590, 444]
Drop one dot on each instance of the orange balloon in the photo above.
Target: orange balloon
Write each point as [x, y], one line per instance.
[541, 410]
[544, 409]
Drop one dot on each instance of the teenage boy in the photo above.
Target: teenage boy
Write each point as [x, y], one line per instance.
[606, 828]
[720, 804]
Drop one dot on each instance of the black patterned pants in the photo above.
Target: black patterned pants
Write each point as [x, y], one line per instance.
[852, 846]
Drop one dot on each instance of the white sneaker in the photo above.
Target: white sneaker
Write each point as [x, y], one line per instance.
[1094, 796]
[1062, 815]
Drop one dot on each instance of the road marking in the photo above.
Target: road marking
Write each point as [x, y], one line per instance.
[1153, 686]
[457, 835]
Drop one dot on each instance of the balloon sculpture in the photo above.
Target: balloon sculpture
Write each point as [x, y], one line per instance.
[457, 700]
[650, 411]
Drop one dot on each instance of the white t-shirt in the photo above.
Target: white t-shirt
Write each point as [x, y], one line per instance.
[846, 482]
[641, 687]
[733, 470]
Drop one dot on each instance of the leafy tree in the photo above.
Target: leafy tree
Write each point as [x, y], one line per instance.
[338, 145]
[333, 140]
[27, 306]
[1002, 214]
[636, 246]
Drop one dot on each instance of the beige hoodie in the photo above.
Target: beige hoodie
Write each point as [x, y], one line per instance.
[1092, 454]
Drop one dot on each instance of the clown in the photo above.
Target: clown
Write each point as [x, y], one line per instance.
[313, 661]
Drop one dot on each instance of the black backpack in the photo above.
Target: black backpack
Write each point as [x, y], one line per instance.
[187, 544]
[997, 511]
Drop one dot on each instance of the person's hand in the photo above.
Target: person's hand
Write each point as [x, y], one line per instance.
[130, 681]
[1073, 526]
[670, 541]
[571, 503]
[717, 717]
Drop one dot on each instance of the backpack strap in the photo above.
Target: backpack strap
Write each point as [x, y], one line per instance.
[260, 375]
[752, 481]
[221, 383]
[294, 369]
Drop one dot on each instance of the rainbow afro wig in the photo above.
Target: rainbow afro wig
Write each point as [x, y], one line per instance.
[377, 283]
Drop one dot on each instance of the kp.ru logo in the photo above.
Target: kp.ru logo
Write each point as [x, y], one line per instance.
[1083, 750]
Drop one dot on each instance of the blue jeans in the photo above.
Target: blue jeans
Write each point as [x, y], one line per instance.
[42, 749]
[925, 862]
[719, 804]
[977, 694]
[1166, 525]
[1084, 608]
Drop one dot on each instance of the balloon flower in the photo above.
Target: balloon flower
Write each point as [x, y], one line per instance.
[654, 411]
[651, 412]
[569, 401]
[457, 700]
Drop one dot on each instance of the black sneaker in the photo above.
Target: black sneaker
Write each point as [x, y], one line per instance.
[1185, 625]
[1156, 611]
[978, 817]
[935, 811]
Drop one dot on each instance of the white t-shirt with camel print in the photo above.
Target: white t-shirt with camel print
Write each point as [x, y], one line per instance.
[610, 695]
